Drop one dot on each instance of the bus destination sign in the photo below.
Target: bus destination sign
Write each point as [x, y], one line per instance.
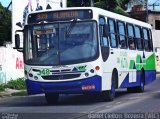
[52, 16]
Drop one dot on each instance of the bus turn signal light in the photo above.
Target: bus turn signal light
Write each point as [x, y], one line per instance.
[97, 68]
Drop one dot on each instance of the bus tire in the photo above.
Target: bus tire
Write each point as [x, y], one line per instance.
[131, 89]
[140, 88]
[51, 98]
[109, 95]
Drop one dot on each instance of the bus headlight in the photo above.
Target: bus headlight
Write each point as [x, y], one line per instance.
[86, 74]
[92, 70]
[35, 77]
[30, 75]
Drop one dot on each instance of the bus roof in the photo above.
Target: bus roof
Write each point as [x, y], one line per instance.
[99, 11]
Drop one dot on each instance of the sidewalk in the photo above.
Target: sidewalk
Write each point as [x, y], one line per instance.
[8, 92]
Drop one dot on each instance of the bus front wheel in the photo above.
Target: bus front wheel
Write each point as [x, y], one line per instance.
[110, 94]
[51, 98]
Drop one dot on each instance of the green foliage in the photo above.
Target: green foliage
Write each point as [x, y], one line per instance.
[5, 24]
[117, 6]
[78, 3]
[18, 84]
[2, 87]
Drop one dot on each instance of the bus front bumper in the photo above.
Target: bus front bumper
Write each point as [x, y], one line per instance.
[88, 85]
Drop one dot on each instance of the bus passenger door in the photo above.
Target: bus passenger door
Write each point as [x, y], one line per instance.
[103, 28]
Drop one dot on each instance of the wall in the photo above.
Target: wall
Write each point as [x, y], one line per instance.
[11, 64]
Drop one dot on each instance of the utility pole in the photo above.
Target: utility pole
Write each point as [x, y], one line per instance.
[154, 4]
[92, 3]
[146, 2]
[9, 5]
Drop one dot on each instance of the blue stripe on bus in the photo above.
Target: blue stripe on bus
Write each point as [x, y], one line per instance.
[35, 87]
[149, 77]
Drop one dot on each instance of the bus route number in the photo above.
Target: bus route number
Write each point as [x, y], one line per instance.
[44, 72]
[42, 16]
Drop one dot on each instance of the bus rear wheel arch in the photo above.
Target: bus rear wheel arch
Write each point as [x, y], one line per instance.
[140, 88]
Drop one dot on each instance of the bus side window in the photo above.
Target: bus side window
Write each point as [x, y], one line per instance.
[131, 37]
[138, 38]
[112, 33]
[122, 35]
[146, 39]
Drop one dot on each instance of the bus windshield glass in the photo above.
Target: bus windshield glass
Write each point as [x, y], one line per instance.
[61, 43]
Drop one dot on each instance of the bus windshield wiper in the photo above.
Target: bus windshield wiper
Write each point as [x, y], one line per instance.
[71, 27]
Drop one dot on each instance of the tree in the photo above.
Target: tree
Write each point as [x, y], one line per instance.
[118, 6]
[5, 25]
[78, 3]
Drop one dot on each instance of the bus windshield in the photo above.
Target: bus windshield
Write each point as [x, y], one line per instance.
[61, 43]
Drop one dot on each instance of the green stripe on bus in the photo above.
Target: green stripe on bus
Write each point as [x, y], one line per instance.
[131, 65]
[147, 64]
[150, 63]
[138, 59]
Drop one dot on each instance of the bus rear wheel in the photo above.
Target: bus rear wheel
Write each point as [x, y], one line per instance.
[51, 98]
[137, 89]
[140, 88]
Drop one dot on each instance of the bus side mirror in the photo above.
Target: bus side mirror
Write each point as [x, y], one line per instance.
[105, 30]
[17, 41]
[19, 24]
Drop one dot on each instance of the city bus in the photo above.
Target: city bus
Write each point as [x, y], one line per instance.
[85, 50]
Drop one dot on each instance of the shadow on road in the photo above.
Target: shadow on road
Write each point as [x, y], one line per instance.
[39, 100]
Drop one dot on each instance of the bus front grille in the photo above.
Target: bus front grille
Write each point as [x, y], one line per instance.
[61, 77]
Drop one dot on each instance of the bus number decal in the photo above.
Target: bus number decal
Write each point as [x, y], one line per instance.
[124, 63]
[44, 72]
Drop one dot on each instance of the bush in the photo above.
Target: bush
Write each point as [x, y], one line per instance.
[18, 84]
[2, 87]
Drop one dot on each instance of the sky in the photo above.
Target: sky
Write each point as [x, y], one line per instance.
[5, 3]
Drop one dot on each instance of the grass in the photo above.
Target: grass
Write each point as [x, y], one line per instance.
[18, 84]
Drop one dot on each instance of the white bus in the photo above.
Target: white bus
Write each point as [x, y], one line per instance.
[86, 50]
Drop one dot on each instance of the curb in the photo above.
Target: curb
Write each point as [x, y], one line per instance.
[8, 92]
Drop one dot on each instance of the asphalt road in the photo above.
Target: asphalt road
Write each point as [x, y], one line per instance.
[84, 107]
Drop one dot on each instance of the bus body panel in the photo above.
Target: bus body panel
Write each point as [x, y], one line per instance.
[88, 85]
[129, 65]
